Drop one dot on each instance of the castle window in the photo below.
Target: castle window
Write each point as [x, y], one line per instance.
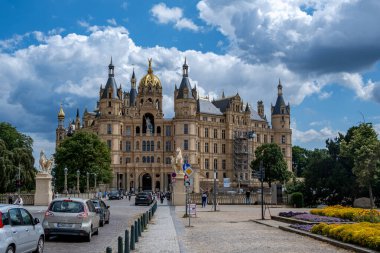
[128, 146]
[109, 144]
[185, 129]
[121, 145]
[207, 164]
[168, 130]
[158, 160]
[137, 145]
[137, 160]
[223, 148]
[258, 138]
[144, 146]
[121, 129]
[186, 145]
[148, 146]
[168, 160]
[215, 148]
[159, 130]
[215, 164]
[215, 133]
[204, 118]
[128, 131]
[152, 145]
[283, 139]
[168, 146]
[121, 160]
[137, 130]
[271, 139]
[224, 175]
[144, 159]
[109, 104]
[152, 159]
[223, 164]
[265, 138]
[206, 132]
[109, 129]
[206, 147]
[207, 175]
[127, 160]
[158, 145]
[148, 159]
[223, 134]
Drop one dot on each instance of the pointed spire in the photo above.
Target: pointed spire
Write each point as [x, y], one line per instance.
[279, 87]
[185, 69]
[223, 94]
[133, 79]
[111, 69]
[77, 112]
[150, 70]
[247, 109]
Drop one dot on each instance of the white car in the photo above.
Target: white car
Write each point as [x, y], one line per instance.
[19, 231]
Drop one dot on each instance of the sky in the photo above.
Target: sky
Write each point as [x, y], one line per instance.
[326, 54]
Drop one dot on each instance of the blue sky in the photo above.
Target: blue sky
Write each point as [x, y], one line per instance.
[326, 55]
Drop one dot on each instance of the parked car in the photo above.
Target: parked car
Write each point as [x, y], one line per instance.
[145, 198]
[104, 212]
[115, 195]
[71, 216]
[19, 231]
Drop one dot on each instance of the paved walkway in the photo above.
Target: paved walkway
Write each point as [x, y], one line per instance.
[230, 230]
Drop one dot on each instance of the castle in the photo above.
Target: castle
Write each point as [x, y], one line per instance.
[219, 135]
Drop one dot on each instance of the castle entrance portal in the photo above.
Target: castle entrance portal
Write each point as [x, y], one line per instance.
[146, 182]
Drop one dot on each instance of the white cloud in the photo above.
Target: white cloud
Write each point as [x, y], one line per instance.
[312, 135]
[165, 15]
[112, 21]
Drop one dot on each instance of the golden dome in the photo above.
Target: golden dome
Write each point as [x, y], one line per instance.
[150, 79]
[61, 113]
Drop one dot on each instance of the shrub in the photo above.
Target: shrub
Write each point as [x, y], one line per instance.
[296, 199]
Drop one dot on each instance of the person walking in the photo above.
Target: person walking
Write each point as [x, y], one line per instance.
[129, 195]
[204, 199]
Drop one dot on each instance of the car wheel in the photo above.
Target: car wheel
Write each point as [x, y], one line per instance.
[10, 249]
[108, 220]
[40, 245]
[101, 223]
[97, 231]
[88, 237]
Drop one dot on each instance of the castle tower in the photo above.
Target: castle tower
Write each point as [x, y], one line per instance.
[260, 108]
[281, 125]
[77, 120]
[60, 132]
[185, 121]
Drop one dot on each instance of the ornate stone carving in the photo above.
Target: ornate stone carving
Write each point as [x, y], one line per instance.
[46, 164]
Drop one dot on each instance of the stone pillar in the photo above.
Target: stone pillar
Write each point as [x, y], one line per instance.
[196, 181]
[44, 193]
[179, 191]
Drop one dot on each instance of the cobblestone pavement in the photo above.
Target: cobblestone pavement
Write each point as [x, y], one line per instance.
[231, 229]
[123, 213]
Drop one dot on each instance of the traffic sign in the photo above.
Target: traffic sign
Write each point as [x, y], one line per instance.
[187, 169]
[174, 174]
[185, 166]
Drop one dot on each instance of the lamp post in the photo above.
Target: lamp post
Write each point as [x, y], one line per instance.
[214, 189]
[88, 181]
[78, 174]
[65, 186]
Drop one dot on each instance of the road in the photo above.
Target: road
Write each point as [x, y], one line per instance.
[123, 213]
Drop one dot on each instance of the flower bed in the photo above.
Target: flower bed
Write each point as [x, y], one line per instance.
[318, 218]
[302, 227]
[290, 214]
[349, 213]
[364, 233]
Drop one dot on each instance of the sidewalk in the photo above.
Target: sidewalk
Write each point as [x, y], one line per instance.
[160, 235]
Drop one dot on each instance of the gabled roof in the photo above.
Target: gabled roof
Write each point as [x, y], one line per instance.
[205, 106]
[256, 116]
[223, 103]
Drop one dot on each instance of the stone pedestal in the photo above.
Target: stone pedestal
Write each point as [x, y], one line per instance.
[44, 193]
[179, 191]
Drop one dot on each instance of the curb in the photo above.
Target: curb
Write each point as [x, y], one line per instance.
[328, 240]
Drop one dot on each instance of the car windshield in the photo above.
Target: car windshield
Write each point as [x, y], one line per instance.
[114, 192]
[96, 203]
[64, 206]
[143, 194]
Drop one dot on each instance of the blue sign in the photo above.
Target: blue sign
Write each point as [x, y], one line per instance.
[185, 166]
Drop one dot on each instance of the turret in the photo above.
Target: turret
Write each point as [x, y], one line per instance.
[260, 108]
[281, 111]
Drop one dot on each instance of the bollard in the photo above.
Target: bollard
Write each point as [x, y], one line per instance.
[132, 237]
[139, 224]
[142, 223]
[126, 242]
[120, 244]
[136, 232]
[146, 219]
[109, 250]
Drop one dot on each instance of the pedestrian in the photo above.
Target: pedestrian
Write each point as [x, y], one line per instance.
[248, 197]
[129, 195]
[19, 201]
[162, 196]
[204, 199]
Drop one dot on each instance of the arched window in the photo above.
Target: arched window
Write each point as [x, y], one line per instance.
[137, 145]
[144, 146]
[158, 145]
[137, 160]
[152, 145]
[158, 159]
[159, 130]
[144, 159]
[148, 146]
[147, 159]
[138, 130]
[152, 159]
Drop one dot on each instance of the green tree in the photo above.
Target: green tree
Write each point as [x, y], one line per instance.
[16, 156]
[85, 152]
[364, 150]
[299, 160]
[273, 162]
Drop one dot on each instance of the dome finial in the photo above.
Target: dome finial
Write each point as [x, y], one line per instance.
[150, 70]
[61, 113]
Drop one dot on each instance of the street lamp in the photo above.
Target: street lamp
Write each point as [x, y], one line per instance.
[214, 189]
[65, 186]
[78, 174]
[88, 181]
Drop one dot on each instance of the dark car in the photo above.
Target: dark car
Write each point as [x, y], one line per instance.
[144, 198]
[104, 212]
[114, 195]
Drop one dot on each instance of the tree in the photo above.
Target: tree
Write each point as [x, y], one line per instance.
[364, 150]
[273, 162]
[299, 160]
[16, 159]
[85, 152]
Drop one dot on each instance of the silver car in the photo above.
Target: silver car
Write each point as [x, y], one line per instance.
[19, 232]
[71, 216]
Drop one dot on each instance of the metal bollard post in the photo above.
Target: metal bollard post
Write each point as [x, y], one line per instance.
[132, 237]
[136, 232]
[126, 242]
[139, 224]
[142, 223]
[146, 219]
[109, 250]
[120, 244]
